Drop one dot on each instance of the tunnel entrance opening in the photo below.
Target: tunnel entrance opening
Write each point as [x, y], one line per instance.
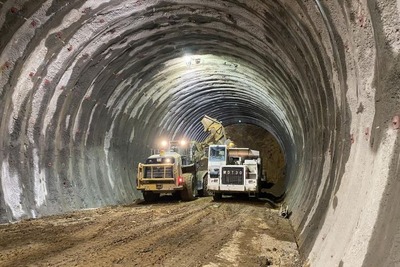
[273, 159]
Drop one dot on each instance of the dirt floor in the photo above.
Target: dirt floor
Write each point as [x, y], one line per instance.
[168, 233]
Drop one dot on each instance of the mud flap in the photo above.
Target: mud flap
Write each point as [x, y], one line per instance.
[150, 196]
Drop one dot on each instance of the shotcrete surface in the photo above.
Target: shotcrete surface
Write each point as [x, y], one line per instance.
[87, 88]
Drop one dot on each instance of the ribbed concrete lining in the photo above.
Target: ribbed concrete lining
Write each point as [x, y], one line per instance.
[87, 88]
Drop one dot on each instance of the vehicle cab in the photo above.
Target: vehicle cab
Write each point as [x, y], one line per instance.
[217, 157]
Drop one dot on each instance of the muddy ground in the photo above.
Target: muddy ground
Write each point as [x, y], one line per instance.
[168, 233]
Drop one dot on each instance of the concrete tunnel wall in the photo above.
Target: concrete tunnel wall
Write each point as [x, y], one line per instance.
[87, 87]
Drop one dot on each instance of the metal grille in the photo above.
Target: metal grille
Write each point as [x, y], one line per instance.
[158, 172]
[232, 175]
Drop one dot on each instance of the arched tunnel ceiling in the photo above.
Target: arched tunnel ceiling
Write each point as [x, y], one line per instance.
[131, 47]
[88, 86]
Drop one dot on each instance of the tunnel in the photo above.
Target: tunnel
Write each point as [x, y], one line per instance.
[86, 87]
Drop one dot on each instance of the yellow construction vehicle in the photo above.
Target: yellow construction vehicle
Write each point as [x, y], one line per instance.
[164, 173]
[179, 167]
[175, 172]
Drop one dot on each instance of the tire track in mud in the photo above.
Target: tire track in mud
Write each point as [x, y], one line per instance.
[122, 241]
[197, 233]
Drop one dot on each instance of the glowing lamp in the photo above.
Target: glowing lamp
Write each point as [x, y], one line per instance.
[164, 143]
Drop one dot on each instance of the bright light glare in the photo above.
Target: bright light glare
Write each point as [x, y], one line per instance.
[164, 143]
[168, 160]
[183, 142]
[188, 60]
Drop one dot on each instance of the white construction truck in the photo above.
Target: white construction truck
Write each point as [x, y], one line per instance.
[231, 170]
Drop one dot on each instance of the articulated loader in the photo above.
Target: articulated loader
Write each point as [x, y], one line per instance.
[180, 167]
[165, 173]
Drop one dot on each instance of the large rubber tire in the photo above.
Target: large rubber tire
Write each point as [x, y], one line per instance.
[203, 192]
[150, 196]
[189, 189]
[217, 196]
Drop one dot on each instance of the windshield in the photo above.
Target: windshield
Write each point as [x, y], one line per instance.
[217, 153]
